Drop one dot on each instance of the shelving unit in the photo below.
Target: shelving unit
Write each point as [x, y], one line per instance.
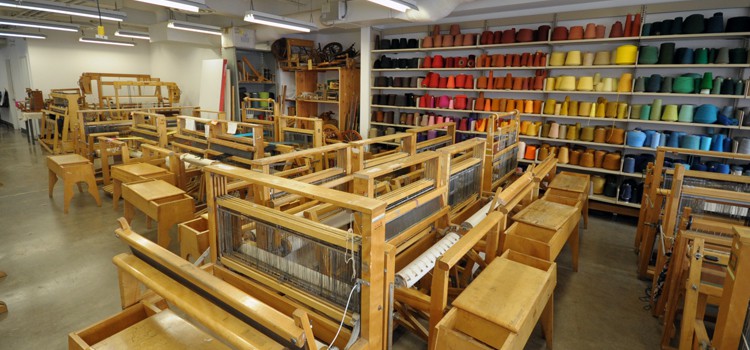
[650, 13]
[307, 80]
[244, 85]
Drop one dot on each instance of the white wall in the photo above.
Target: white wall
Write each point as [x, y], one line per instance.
[181, 63]
[59, 61]
[15, 51]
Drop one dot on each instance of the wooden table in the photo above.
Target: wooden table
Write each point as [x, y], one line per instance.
[542, 228]
[126, 173]
[500, 308]
[161, 201]
[72, 169]
[574, 185]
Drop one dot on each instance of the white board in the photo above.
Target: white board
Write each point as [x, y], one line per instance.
[213, 76]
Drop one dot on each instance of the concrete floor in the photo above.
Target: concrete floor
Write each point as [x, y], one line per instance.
[61, 277]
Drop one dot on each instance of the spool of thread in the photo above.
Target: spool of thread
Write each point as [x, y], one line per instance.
[648, 55]
[572, 132]
[656, 109]
[723, 168]
[597, 184]
[530, 152]
[587, 133]
[636, 138]
[588, 58]
[521, 149]
[646, 112]
[557, 58]
[611, 161]
[666, 53]
[640, 84]
[686, 114]
[599, 158]
[691, 142]
[674, 139]
[563, 131]
[700, 56]
[670, 113]
[549, 84]
[706, 113]
[626, 54]
[654, 83]
[585, 83]
[575, 157]
[635, 111]
[573, 58]
[584, 108]
[608, 85]
[563, 156]
[744, 146]
[657, 139]
[587, 161]
[554, 130]
[666, 86]
[683, 85]
[567, 83]
[628, 165]
[705, 144]
[622, 110]
[600, 135]
[625, 83]
[684, 55]
[601, 58]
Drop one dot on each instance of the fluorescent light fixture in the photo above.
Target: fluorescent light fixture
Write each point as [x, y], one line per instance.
[105, 41]
[184, 5]
[65, 9]
[278, 21]
[18, 22]
[132, 34]
[398, 5]
[22, 35]
[194, 27]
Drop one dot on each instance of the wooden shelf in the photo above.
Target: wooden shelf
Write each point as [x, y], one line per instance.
[603, 198]
[258, 82]
[318, 101]
[712, 65]
[594, 41]
[592, 169]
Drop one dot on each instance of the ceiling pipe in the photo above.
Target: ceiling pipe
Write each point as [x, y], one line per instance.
[433, 10]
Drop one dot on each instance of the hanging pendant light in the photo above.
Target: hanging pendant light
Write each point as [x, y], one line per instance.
[101, 37]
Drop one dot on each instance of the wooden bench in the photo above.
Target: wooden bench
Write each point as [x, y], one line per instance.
[542, 229]
[501, 307]
[161, 201]
[72, 169]
[573, 185]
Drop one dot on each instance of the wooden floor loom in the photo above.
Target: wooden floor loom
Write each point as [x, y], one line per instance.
[652, 210]
[264, 114]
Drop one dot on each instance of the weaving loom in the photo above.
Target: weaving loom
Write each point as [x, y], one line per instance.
[262, 111]
[236, 142]
[656, 187]
[502, 144]
[378, 150]
[430, 138]
[59, 121]
[302, 132]
[153, 128]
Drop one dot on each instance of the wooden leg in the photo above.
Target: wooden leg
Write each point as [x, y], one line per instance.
[130, 289]
[575, 240]
[586, 214]
[548, 316]
[129, 212]
[52, 181]
[162, 233]
[3, 307]
[68, 195]
[93, 190]
[80, 188]
[116, 193]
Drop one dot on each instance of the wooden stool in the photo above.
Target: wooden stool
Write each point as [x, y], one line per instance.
[126, 173]
[574, 185]
[161, 201]
[73, 169]
[542, 228]
[489, 314]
